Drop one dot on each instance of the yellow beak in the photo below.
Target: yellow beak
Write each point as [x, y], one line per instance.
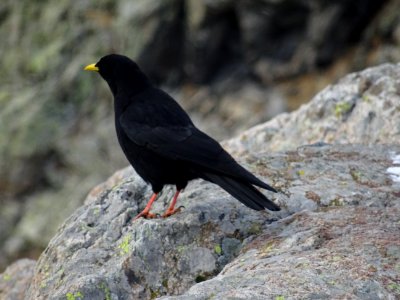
[91, 67]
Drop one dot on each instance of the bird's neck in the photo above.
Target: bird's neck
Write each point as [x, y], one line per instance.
[125, 97]
[134, 83]
[128, 85]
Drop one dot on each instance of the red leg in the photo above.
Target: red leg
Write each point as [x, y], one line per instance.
[146, 211]
[171, 209]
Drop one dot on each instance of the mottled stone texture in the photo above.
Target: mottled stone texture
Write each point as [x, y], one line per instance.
[337, 235]
[363, 107]
[15, 280]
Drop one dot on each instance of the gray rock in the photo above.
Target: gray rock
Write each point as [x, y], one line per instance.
[361, 108]
[341, 253]
[99, 251]
[345, 248]
[15, 280]
[345, 207]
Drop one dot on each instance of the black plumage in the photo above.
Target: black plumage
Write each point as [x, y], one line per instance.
[162, 143]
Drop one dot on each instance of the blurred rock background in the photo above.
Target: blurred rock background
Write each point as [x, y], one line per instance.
[231, 64]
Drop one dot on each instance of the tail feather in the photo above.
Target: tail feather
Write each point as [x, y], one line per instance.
[263, 185]
[243, 191]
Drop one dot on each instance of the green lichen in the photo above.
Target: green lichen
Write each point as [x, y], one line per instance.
[60, 275]
[74, 296]
[394, 287]
[165, 283]
[106, 291]
[154, 294]
[180, 249]
[124, 245]
[300, 172]
[356, 175]
[212, 296]
[118, 185]
[336, 202]
[303, 265]
[342, 108]
[366, 99]
[268, 247]
[6, 277]
[46, 274]
[280, 297]
[218, 249]
[332, 282]
[255, 228]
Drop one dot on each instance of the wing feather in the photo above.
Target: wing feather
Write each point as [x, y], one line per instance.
[180, 140]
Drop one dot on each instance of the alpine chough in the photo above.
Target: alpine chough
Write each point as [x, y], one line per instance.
[162, 143]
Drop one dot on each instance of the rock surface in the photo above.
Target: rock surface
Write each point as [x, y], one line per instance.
[342, 253]
[56, 130]
[341, 239]
[337, 236]
[362, 107]
[15, 280]
[100, 251]
[347, 247]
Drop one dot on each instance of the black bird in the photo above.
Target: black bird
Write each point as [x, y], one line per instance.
[162, 143]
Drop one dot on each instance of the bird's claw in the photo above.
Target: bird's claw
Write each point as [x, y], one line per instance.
[146, 215]
[171, 212]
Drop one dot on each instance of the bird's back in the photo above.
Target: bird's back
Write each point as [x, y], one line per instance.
[150, 112]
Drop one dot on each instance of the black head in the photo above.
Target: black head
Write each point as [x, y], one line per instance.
[121, 73]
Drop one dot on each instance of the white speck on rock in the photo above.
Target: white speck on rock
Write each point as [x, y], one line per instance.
[394, 172]
[396, 159]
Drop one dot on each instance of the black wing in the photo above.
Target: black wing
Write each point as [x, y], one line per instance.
[164, 128]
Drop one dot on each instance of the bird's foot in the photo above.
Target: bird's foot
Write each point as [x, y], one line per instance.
[146, 214]
[172, 211]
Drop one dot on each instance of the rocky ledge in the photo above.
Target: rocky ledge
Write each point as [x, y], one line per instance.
[337, 236]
